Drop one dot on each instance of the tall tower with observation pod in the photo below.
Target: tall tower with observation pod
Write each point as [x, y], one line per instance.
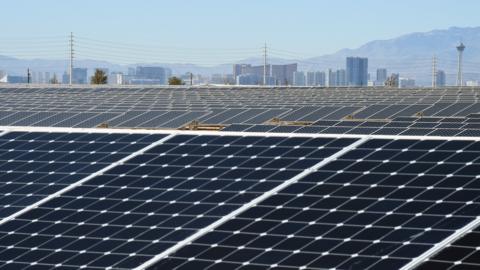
[460, 49]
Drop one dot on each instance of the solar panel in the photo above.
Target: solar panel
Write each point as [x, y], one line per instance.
[134, 211]
[36, 165]
[462, 254]
[377, 207]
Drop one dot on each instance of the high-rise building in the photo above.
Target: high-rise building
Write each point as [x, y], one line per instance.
[299, 78]
[335, 78]
[79, 76]
[151, 75]
[341, 77]
[283, 74]
[254, 72]
[441, 78]
[13, 79]
[331, 78]
[257, 70]
[47, 77]
[239, 69]
[310, 79]
[150, 72]
[249, 79]
[381, 76]
[357, 71]
[116, 78]
[320, 79]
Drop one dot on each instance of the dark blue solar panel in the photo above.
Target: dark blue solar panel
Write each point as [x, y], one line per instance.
[137, 210]
[377, 207]
[34, 165]
[463, 254]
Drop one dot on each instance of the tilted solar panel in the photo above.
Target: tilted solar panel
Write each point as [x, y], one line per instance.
[138, 209]
[38, 164]
[463, 254]
[377, 207]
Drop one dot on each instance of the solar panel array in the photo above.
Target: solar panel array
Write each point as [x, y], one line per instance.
[408, 126]
[173, 108]
[374, 179]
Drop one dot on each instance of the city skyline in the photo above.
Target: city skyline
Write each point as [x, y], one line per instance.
[196, 25]
[409, 54]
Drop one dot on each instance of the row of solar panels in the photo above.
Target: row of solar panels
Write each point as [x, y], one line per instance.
[120, 100]
[447, 128]
[178, 118]
[175, 119]
[410, 126]
[235, 201]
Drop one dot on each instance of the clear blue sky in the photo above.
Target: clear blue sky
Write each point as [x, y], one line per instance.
[308, 27]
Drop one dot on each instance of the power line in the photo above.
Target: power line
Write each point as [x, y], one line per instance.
[155, 47]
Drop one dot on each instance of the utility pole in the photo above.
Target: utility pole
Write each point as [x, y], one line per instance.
[71, 59]
[434, 72]
[29, 75]
[265, 64]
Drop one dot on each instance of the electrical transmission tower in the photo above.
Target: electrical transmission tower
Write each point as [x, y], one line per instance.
[71, 59]
[265, 64]
[434, 72]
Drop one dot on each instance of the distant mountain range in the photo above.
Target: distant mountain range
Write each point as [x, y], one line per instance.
[410, 55]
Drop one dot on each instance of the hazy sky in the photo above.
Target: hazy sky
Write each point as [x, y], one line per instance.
[235, 28]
